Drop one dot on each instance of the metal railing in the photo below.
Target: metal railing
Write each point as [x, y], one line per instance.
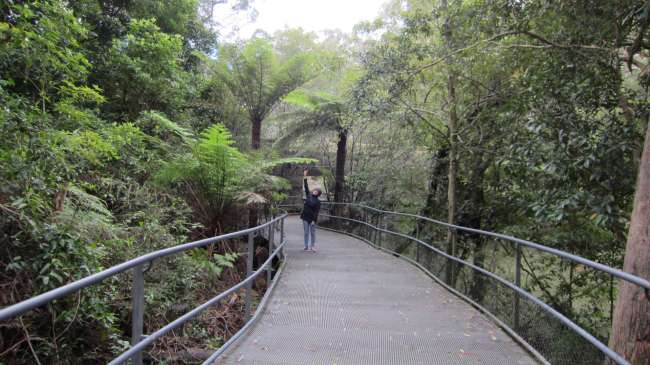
[494, 287]
[140, 265]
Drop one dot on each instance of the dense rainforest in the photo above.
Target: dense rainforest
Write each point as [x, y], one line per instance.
[128, 126]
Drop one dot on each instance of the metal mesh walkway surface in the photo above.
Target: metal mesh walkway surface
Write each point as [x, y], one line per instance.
[349, 303]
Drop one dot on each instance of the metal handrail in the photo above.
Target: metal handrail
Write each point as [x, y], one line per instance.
[138, 266]
[581, 260]
[140, 346]
[417, 264]
[258, 312]
[513, 286]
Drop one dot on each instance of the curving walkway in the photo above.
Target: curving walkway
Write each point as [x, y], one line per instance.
[351, 304]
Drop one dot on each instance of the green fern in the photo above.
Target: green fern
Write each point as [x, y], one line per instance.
[87, 215]
[268, 164]
[157, 124]
[215, 174]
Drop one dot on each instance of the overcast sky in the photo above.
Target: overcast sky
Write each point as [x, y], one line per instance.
[311, 15]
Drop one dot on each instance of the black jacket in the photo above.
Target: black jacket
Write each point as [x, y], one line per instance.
[311, 207]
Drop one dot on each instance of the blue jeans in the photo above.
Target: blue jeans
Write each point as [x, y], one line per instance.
[310, 233]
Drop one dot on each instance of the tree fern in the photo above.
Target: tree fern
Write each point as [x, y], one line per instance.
[215, 174]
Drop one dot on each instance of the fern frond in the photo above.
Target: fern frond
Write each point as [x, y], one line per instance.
[87, 215]
[159, 125]
[267, 164]
[250, 198]
[89, 202]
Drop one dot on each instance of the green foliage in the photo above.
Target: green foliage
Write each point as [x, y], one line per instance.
[550, 119]
[302, 99]
[122, 134]
[157, 124]
[214, 266]
[145, 72]
[209, 172]
[321, 106]
[172, 16]
[40, 49]
[258, 77]
[94, 102]
[215, 175]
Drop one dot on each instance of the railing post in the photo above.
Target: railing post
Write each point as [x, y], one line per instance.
[518, 283]
[282, 236]
[137, 311]
[380, 222]
[373, 221]
[269, 269]
[249, 271]
[369, 230]
[364, 228]
[417, 244]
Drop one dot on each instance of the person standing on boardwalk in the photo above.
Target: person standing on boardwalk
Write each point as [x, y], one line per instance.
[309, 214]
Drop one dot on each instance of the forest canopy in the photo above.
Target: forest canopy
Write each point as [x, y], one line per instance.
[131, 125]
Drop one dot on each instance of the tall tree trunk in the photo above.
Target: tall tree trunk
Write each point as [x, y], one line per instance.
[339, 174]
[451, 126]
[451, 179]
[473, 218]
[630, 334]
[436, 176]
[256, 132]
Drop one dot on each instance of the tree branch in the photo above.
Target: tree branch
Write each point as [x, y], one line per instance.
[425, 120]
[29, 342]
[548, 43]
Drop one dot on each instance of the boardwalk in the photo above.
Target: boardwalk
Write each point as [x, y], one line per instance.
[351, 304]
